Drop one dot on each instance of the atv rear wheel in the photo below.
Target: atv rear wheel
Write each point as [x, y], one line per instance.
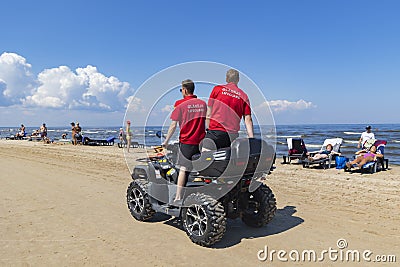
[138, 200]
[261, 207]
[203, 219]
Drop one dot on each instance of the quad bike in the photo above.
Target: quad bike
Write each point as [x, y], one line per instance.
[224, 185]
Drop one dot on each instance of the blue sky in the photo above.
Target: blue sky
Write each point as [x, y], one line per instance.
[316, 61]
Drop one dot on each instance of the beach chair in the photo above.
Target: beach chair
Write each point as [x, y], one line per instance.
[296, 150]
[327, 162]
[98, 142]
[135, 144]
[380, 164]
[36, 138]
[122, 143]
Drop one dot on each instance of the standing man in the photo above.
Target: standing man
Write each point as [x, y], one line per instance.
[43, 131]
[190, 113]
[227, 105]
[365, 136]
[128, 133]
[78, 133]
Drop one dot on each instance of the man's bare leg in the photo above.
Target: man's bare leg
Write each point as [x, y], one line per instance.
[181, 183]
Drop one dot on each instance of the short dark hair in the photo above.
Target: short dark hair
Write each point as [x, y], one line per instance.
[188, 85]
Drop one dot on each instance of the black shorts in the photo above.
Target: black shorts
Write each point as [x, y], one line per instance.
[215, 139]
[185, 155]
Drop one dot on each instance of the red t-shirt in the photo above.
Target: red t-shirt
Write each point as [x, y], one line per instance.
[190, 112]
[229, 104]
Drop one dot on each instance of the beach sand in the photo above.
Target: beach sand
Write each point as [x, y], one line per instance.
[66, 205]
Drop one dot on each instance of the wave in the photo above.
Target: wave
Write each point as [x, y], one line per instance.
[396, 141]
[311, 145]
[91, 132]
[352, 133]
[288, 136]
[390, 131]
[350, 141]
[269, 136]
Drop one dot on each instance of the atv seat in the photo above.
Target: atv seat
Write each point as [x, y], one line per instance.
[244, 156]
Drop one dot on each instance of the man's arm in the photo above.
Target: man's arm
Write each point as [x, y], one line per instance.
[208, 115]
[171, 131]
[359, 142]
[248, 121]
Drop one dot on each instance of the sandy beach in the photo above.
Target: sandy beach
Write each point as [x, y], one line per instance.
[65, 205]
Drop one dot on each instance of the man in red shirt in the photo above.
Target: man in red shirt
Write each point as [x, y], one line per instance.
[190, 113]
[227, 105]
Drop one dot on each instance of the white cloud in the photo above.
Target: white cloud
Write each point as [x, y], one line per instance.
[134, 104]
[61, 87]
[16, 79]
[168, 108]
[285, 105]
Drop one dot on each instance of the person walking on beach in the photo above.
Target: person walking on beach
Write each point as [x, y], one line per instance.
[128, 133]
[368, 134]
[190, 113]
[227, 105]
[73, 133]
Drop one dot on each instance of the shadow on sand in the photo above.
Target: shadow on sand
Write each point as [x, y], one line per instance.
[236, 230]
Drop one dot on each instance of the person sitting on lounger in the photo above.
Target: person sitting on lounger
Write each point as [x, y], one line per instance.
[364, 157]
[21, 132]
[323, 154]
[35, 133]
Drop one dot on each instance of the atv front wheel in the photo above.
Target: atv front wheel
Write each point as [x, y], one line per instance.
[138, 200]
[203, 219]
[261, 207]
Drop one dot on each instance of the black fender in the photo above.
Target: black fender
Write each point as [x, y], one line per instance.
[144, 172]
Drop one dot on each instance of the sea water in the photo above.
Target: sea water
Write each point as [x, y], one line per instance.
[312, 134]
